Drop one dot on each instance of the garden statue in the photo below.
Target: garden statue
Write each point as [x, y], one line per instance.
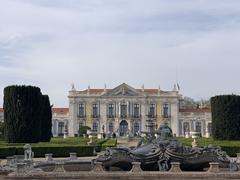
[65, 134]
[157, 153]
[28, 154]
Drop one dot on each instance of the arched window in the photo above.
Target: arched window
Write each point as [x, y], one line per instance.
[186, 128]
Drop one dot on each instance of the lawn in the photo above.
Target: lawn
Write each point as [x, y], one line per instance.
[231, 147]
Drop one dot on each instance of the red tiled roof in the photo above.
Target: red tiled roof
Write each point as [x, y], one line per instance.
[54, 110]
[203, 110]
[60, 110]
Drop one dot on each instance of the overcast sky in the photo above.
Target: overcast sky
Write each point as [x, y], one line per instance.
[54, 43]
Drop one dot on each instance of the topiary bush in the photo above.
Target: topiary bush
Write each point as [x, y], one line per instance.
[27, 115]
[226, 117]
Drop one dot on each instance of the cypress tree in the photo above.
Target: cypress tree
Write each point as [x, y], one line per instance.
[226, 117]
[46, 119]
[21, 114]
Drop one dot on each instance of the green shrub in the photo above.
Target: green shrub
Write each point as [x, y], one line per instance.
[57, 151]
[59, 147]
[109, 143]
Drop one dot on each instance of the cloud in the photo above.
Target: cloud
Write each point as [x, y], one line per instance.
[52, 44]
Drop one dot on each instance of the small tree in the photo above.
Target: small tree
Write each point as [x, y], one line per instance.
[226, 117]
[83, 130]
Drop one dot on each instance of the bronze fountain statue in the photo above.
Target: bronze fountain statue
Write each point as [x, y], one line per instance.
[157, 153]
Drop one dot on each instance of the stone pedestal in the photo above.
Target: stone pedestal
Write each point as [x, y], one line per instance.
[73, 156]
[21, 168]
[98, 167]
[214, 167]
[136, 167]
[9, 161]
[59, 167]
[238, 158]
[49, 157]
[175, 167]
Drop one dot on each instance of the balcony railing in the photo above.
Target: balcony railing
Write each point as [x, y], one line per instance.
[81, 116]
[151, 115]
[136, 116]
[123, 115]
[95, 116]
[166, 116]
[111, 116]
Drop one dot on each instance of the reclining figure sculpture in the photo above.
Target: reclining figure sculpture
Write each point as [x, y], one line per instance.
[158, 153]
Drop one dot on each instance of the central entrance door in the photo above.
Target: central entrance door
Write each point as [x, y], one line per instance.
[123, 128]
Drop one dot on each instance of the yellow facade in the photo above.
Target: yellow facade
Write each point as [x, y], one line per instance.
[88, 114]
[159, 113]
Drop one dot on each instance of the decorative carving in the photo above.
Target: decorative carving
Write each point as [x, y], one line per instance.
[123, 90]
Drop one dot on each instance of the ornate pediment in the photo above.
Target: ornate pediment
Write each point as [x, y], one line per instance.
[123, 90]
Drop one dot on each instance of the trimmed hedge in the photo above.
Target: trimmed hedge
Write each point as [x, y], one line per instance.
[57, 151]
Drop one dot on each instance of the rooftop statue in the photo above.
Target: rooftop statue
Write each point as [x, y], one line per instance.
[157, 153]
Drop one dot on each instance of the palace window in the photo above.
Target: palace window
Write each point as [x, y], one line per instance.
[198, 127]
[60, 128]
[136, 128]
[165, 110]
[95, 110]
[95, 127]
[123, 110]
[136, 110]
[186, 128]
[152, 110]
[111, 110]
[110, 127]
[81, 111]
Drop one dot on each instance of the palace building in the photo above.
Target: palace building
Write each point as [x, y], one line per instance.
[127, 111]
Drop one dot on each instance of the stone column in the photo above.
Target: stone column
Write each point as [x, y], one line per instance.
[143, 117]
[103, 117]
[72, 118]
[174, 117]
[214, 167]
[175, 167]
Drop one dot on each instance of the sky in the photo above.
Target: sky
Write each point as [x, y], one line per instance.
[54, 43]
